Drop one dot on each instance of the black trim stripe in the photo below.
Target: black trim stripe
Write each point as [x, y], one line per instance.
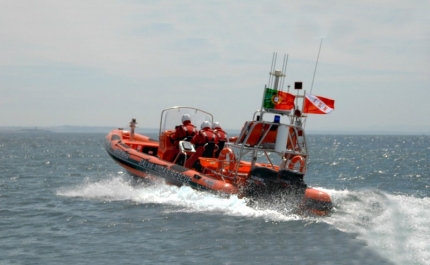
[173, 174]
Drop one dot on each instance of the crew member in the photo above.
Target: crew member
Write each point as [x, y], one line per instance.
[221, 135]
[205, 142]
[132, 127]
[182, 132]
[186, 131]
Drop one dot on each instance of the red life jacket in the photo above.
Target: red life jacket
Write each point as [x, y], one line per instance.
[209, 136]
[205, 136]
[189, 130]
[221, 134]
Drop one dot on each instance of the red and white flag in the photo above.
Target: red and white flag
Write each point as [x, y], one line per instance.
[318, 105]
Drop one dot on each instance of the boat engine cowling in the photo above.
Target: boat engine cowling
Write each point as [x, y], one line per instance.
[292, 179]
[260, 182]
[264, 180]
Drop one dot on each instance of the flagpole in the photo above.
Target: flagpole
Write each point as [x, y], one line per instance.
[318, 57]
[303, 108]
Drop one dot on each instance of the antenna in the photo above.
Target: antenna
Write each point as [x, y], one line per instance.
[272, 67]
[316, 66]
[284, 70]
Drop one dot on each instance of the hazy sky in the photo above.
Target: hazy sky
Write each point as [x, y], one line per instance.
[101, 63]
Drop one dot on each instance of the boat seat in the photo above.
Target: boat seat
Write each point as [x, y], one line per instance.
[209, 149]
[257, 131]
[220, 147]
[251, 133]
[270, 137]
[185, 150]
[255, 134]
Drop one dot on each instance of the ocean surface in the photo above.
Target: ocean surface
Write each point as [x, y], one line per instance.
[64, 201]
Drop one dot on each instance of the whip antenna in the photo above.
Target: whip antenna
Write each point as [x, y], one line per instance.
[272, 67]
[284, 70]
[316, 64]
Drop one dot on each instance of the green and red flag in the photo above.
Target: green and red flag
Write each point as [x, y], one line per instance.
[278, 100]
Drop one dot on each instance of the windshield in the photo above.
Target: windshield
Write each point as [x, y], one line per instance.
[172, 117]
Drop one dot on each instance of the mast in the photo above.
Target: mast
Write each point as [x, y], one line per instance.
[277, 74]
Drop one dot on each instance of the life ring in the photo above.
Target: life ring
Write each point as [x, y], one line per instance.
[223, 156]
[293, 162]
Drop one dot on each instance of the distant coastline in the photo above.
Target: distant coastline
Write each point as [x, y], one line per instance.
[24, 130]
[106, 129]
[68, 129]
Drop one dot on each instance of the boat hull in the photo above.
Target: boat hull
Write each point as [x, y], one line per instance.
[138, 158]
[142, 164]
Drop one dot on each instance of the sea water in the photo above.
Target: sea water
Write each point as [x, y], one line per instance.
[64, 201]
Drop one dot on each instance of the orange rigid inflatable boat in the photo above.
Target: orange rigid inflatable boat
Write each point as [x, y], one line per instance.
[266, 161]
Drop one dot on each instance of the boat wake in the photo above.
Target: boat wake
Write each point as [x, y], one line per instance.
[396, 226]
[185, 199]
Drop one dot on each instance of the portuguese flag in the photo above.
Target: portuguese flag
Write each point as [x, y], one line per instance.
[278, 100]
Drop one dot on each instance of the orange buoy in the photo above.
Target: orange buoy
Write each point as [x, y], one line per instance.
[226, 152]
[294, 161]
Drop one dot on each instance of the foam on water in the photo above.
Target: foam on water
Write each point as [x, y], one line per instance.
[185, 198]
[397, 226]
